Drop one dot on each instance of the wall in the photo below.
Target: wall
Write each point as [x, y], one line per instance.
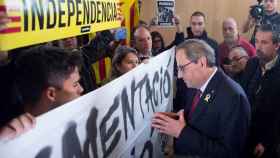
[216, 11]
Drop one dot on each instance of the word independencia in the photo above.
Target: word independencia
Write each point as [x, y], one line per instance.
[62, 13]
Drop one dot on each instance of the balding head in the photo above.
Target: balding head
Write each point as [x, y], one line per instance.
[143, 41]
[230, 31]
[231, 21]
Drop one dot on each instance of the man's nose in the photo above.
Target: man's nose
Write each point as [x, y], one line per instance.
[146, 41]
[134, 64]
[81, 89]
[227, 31]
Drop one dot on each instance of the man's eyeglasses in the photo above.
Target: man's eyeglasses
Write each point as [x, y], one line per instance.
[237, 59]
[230, 61]
[182, 67]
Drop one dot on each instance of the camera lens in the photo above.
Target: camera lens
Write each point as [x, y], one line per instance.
[257, 11]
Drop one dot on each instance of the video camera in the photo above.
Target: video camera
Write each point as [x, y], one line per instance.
[257, 11]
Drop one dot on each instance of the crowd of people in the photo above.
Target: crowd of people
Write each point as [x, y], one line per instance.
[225, 103]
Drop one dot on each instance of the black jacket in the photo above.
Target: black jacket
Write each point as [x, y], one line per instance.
[179, 38]
[264, 92]
[96, 50]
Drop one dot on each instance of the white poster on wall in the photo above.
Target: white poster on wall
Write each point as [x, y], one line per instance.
[165, 12]
[113, 121]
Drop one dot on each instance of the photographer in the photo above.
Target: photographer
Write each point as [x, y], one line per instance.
[262, 14]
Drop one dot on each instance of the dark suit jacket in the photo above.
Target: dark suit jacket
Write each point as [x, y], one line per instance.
[219, 125]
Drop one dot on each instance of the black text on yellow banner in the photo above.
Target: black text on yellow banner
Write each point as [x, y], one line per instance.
[38, 21]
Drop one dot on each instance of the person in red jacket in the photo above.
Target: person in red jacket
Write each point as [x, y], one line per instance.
[232, 39]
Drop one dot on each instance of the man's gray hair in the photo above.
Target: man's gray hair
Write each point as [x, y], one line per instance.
[274, 29]
[195, 49]
[241, 50]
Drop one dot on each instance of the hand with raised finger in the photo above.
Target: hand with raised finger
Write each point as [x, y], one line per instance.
[153, 21]
[176, 20]
[17, 126]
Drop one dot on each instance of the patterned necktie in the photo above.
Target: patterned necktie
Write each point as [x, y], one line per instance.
[195, 102]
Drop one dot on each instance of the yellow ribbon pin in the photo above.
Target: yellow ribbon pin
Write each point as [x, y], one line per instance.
[207, 97]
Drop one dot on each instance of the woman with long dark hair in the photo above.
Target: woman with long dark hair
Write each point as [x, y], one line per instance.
[124, 60]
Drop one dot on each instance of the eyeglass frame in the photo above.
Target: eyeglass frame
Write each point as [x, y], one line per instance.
[182, 67]
[237, 59]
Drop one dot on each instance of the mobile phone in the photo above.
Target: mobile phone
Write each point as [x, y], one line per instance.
[171, 114]
[227, 61]
[120, 34]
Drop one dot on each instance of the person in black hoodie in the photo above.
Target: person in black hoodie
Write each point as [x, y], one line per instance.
[196, 30]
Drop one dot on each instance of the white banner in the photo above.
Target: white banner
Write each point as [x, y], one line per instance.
[112, 121]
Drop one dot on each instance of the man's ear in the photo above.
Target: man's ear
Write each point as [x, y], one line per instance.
[51, 93]
[277, 46]
[203, 61]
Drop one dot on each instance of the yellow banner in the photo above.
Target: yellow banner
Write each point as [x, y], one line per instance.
[38, 21]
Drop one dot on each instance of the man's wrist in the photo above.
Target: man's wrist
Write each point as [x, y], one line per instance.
[180, 131]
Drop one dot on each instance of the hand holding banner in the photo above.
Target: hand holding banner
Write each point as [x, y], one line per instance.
[113, 121]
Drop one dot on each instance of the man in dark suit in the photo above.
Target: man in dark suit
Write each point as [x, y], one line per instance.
[216, 122]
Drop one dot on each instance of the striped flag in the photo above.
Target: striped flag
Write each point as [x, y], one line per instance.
[14, 25]
[102, 69]
[130, 11]
[131, 14]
